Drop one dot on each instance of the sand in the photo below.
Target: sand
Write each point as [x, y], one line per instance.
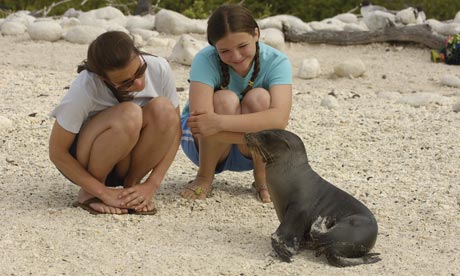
[401, 161]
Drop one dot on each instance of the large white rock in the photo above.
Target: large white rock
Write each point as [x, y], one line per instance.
[12, 28]
[347, 18]
[21, 16]
[378, 20]
[171, 22]
[444, 28]
[140, 22]
[72, 13]
[48, 30]
[309, 68]
[108, 13]
[283, 20]
[89, 19]
[352, 27]
[273, 37]
[328, 25]
[68, 22]
[83, 34]
[350, 68]
[145, 34]
[161, 42]
[185, 49]
[407, 16]
[457, 17]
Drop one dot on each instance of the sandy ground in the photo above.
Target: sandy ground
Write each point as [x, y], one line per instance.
[401, 161]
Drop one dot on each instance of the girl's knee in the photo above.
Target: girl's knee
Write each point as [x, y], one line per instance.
[128, 118]
[257, 99]
[162, 112]
[226, 102]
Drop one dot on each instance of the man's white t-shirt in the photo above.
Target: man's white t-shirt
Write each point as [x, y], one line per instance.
[89, 95]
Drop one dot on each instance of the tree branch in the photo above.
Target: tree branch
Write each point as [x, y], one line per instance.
[420, 33]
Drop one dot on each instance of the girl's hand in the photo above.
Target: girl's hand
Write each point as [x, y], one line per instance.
[204, 124]
[137, 197]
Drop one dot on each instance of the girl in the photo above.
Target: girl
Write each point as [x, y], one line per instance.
[237, 85]
[118, 122]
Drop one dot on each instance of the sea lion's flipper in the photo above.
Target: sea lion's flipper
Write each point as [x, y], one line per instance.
[345, 242]
[338, 261]
[290, 234]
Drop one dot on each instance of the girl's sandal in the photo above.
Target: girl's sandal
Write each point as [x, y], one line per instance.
[197, 189]
[259, 188]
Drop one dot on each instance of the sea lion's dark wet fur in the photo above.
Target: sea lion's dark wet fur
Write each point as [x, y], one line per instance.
[313, 213]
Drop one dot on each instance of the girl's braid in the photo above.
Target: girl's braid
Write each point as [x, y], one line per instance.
[255, 72]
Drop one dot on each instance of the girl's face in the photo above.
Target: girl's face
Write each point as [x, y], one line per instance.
[237, 50]
[131, 78]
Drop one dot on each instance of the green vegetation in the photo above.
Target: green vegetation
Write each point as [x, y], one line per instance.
[307, 10]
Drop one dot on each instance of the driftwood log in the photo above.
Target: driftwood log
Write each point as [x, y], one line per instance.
[420, 33]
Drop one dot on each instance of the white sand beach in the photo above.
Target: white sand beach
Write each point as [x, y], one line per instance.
[400, 160]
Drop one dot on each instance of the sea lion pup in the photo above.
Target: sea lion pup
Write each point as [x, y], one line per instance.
[313, 213]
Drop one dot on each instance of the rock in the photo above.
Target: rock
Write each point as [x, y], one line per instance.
[185, 49]
[327, 25]
[5, 124]
[330, 102]
[273, 37]
[140, 22]
[283, 20]
[391, 96]
[352, 27]
[72, 13]
[145, 34]
[456, 107]
[457, 17]
[407, 16]
[350, 68]
[452, 81]
[12, 28]
[21, 16]
[444, 28]
[420, 99]
[378, 20]
[108, 13]
[161, 42]
[309, 68]
[347, 18]
[83, 34]
[68, 22]
[45, 30]
[172, 22]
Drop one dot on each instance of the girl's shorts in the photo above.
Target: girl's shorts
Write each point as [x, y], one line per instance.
[112, 180]
[235, 161]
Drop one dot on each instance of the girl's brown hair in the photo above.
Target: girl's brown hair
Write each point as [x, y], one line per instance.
[232, 19]
[110, 51]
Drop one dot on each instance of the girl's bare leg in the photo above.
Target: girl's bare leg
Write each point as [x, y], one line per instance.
[104, 141]
[211, 152]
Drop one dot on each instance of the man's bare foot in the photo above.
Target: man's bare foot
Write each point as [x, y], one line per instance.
[194, 190]
[98, 205]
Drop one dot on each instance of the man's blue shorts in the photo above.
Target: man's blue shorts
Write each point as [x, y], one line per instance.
[235, 161]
